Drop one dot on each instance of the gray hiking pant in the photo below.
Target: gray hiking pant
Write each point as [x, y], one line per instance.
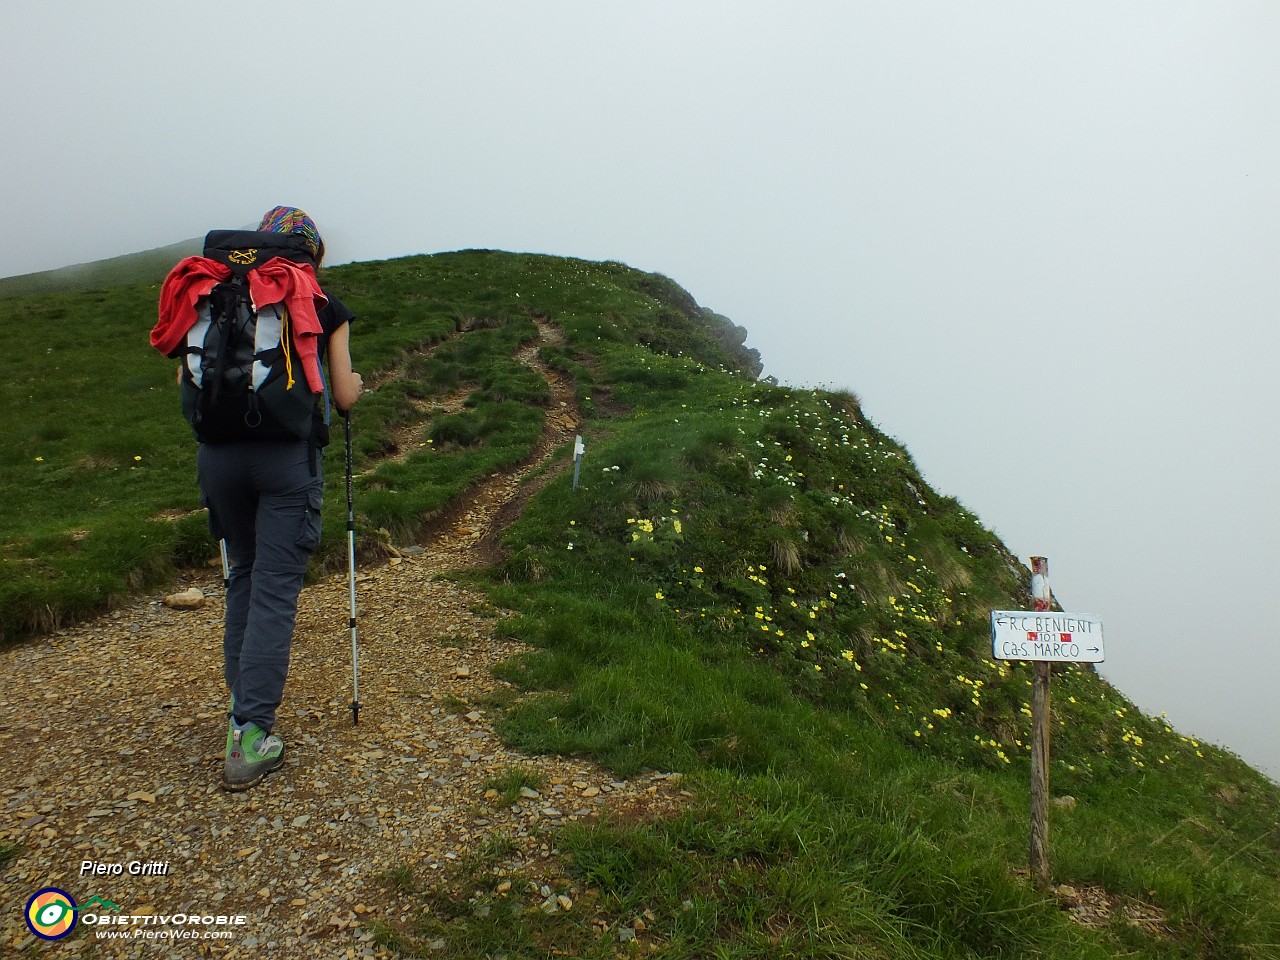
[264, 501]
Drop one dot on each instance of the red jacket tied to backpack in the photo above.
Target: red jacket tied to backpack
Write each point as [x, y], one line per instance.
[276, 281]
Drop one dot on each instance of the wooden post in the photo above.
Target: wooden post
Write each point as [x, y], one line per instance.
[1040, 740]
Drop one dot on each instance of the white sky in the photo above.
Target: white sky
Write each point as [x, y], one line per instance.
[1038, 239]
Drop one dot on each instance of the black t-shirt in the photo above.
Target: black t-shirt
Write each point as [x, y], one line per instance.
[331, 316]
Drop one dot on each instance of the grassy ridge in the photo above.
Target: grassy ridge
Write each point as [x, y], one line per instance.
[752, 585]
[149, 266]
[756, 587]
[99, 497]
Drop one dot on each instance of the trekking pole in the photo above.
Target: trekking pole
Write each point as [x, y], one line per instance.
[226, 567]
[351, 569]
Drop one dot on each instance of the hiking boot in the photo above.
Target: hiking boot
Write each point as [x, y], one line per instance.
[252, 753]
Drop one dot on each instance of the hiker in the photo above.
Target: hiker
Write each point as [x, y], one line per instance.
[259, 456]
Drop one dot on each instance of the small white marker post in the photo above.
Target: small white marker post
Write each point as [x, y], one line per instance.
[578, 451]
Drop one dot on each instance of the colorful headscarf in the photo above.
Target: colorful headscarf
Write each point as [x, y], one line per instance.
[293, 220]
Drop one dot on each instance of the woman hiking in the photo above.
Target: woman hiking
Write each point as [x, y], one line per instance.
[259, 459]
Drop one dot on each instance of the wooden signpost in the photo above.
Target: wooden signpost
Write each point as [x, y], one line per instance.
[1044, 638]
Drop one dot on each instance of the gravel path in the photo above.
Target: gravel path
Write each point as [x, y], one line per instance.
[111, 738]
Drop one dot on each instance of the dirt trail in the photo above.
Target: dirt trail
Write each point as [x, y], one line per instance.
[111, 740]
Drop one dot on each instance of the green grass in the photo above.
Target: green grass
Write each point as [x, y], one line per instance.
[847, 688]
[511, 782]
[752, 586]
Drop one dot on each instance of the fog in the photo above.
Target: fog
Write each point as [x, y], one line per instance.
[1038, 240]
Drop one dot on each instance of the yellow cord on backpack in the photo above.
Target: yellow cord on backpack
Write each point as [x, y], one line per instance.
[285, 341]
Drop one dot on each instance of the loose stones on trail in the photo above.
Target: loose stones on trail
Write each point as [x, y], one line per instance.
[130, 712]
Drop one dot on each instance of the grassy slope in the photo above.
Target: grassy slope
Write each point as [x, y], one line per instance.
[149, 265]
[753, 586]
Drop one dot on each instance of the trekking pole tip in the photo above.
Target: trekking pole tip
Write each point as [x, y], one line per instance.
[355, 713]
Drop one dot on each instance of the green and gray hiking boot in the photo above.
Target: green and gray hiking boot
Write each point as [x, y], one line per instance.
[252, 753]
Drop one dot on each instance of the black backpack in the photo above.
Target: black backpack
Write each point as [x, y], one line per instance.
[241, 377]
